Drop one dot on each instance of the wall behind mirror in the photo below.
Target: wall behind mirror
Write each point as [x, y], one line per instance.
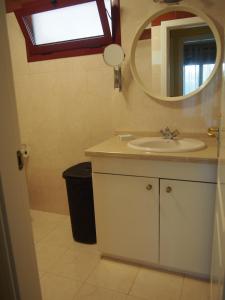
[68, 105]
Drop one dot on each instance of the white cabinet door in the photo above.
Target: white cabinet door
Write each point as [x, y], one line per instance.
[186, 222]
[127, 216]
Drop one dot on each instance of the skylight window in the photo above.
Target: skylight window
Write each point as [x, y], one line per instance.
[109, 13]
[68, 28]
[69, 23]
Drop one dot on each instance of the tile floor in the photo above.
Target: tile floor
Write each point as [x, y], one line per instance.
[73, 271]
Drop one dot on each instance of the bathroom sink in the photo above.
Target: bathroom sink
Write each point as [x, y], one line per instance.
[160, 144]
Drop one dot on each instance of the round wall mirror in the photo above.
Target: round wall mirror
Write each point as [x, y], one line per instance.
[175, 53]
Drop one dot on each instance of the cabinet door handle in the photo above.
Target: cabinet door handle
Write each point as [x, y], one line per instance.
[149, 187]
[168, 189]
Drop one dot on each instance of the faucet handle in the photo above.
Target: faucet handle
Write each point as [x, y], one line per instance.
[175, 133]
[168, 134]
[165, 131]
[162, 131]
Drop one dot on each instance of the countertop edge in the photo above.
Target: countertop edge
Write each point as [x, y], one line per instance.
[144, 156]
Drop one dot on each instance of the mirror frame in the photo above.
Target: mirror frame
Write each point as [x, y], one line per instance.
[143, 26]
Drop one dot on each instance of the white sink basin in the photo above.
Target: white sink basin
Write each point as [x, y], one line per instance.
[160, 144]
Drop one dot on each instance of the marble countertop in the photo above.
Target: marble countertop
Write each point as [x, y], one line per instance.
[115, 147]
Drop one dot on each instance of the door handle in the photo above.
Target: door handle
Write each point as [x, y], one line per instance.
[20, 161]
[168, 189]
[149, 187]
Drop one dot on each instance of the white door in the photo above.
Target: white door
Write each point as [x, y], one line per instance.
[19, 276]
[186, 223]
[127, 217]
[218, 256]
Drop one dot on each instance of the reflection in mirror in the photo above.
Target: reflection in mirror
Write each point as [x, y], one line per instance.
[175, 54]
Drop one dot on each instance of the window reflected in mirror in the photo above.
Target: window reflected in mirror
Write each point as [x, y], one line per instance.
[175, 54]
[192, 58]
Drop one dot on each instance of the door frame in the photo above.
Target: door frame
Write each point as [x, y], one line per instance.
[17, 252]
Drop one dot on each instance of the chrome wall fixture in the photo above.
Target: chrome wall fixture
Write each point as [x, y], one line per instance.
[117, 78]
[114, 56]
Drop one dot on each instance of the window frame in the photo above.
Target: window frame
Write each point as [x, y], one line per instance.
[92, 45]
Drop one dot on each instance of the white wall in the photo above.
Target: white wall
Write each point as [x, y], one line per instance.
[68, 105]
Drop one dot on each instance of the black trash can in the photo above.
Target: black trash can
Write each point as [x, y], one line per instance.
[81, 205]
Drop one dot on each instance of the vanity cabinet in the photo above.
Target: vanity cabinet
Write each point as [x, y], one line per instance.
[154, 213]
[186, 222]
[127, 216]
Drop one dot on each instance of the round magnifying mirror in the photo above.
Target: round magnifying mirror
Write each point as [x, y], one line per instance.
[175, 53]
[113, 55]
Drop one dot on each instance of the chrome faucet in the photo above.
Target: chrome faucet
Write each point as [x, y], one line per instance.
[168, 134]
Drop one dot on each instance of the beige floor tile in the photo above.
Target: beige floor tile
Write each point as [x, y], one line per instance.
[65, 264]
[38, 217]
[90, 248]
[60, 236]
[40, 232]
[77, 264]
[58, 288]
[195, 290]
[48, 256]
[155, 285]
[91, 292]
[113, 275]
[44, 223]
